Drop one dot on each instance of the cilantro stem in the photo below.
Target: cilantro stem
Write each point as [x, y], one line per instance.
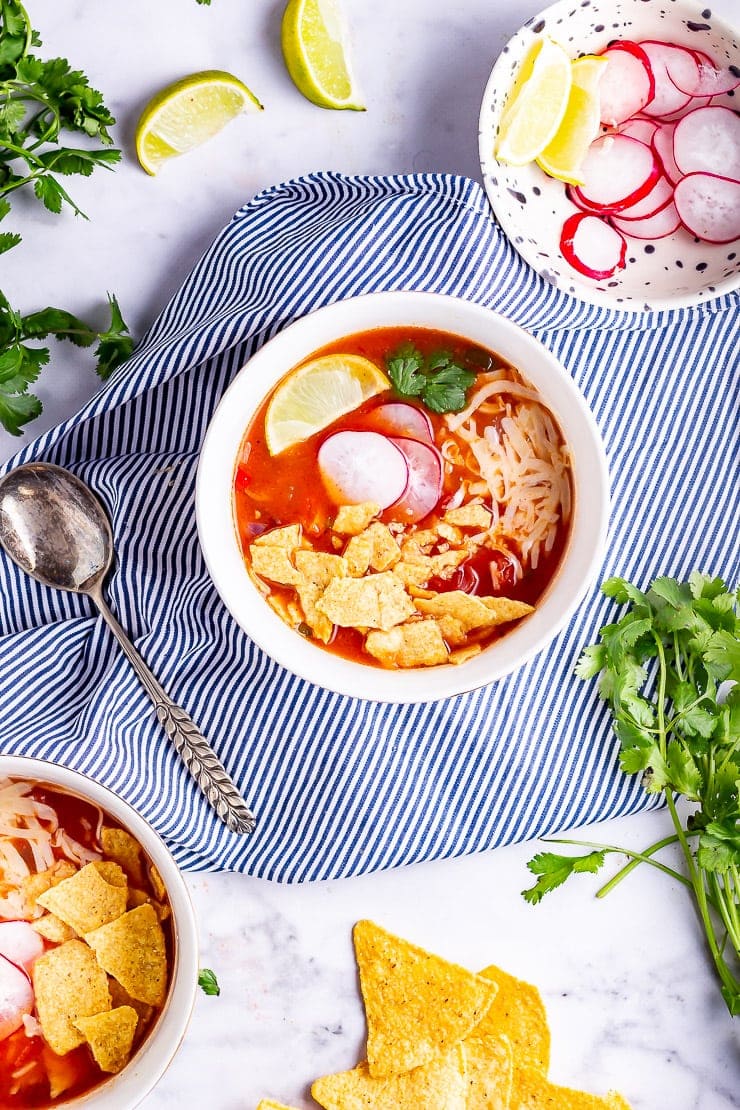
[636, 857]
[636, 860]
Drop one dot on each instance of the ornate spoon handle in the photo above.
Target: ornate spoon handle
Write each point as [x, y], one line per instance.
[190, 744]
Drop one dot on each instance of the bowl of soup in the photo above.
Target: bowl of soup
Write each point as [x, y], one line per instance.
[402, 496]
[98, 944]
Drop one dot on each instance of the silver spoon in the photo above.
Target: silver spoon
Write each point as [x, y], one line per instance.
[53, 526]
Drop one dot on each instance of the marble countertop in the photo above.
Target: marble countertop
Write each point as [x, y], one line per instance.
[628, 986]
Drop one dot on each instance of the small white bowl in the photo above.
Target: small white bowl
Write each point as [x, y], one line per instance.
[531, 207]
[130, 1086]
[215, 510]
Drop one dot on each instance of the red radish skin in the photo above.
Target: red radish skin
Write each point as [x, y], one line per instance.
[627, 83]
[709, 206]
[659, 196]
[591, 246]
[574, 196]
[20, 943]
[663, 147]
[640, 129]
[617, 172]
[711, 80]
[16, 997]
[424, 487]
[362, 466]
[669, 63]
[657, 226]
[397, 418]
[708, 141]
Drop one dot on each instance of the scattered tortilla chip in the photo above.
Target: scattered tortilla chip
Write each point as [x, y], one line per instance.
[416, 644]
[473, 612]
[353, 519]
[441, 1084]
[376, 601]
[33, 885]
[274, 564]
[86, 900]
[119, 996]
[318, 623]
[53, 928]
[319, 568]
[469, 516]
[110, 1036]
[531, 1090]
[132, 950]
[519, 1012]
[490, 1068]
[111, 871]
[288, 537]
[138, 897]
[270, 1104]
[461, 655]
[417, 1004]
[414, 571]
[69, 984]
[121, 847]
[157, 882]
[450, 533]
[507, 610]
[375, 549]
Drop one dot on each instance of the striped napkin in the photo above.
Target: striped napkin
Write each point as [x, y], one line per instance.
[344, 786]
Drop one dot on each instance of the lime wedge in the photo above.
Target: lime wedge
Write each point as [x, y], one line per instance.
[564, 154]
[536, 104]
[316, 51]
[185, 114]
[317, 394]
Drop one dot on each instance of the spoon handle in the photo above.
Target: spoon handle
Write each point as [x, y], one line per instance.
[190, 744]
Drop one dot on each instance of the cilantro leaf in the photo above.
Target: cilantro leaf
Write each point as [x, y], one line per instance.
[208, 982]
[404, 370]
[553, 870]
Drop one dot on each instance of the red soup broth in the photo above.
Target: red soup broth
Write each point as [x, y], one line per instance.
[275, 491]
[66, 834]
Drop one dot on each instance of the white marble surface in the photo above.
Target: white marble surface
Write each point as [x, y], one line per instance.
[631, 997]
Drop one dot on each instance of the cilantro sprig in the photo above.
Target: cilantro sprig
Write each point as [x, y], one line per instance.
[437, 379]
[208, 982]
[669, 669]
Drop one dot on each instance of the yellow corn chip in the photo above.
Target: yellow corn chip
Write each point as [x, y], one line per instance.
[376, 601]
[288, 537]
[157, 883]
[471, 611]
[111, 871]
[490, 1068]
[69, 984]
[138, 897]
[469, 516]
[110, 1036]
[132, 950]
[440, 1084]
[119, 996]
[319, 567]
[461, 655]
[417, 644]
[33, 885]
[53, 928]
[417, 1004]
[518, 1012]
[87, 900]
[274, 564]
[353, 519]
[375, 549]
[121, 847]
[531, 1090]
[270, 1104]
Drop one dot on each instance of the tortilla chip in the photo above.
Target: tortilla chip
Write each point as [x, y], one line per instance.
[490, 1067]
[473, 612]
[132, 950]
[138, 897]
[461, 655]
[518, 1012]
[53, 928]
[69, 984]
[288, 537]
[450, 533]
[414, 571]
[111, 871]
[453, 630]
[318, 623]
[417, 1004]
[33, 885]
[160, 890]
[615, 1101]
[121, 847]
[353, 519]
[440, 1084]
[375, 549]
[119, 996]
[507, 610]
[416, 644]
[270, 1104]
[376, 601]
[531, 1090]
[469, 516]
[274, 564]
[110, 1036]
[319, 567]
[87, 900]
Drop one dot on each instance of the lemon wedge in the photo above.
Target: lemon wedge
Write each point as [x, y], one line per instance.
[316, 51]
[563, 156]
[317, 394]
[183, 115]
[536, 104]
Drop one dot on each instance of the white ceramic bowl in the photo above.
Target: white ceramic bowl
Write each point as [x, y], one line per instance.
[532, 207]
[129, 1087]
[215, 511]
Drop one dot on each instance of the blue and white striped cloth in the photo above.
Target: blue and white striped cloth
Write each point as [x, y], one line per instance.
[344, 786]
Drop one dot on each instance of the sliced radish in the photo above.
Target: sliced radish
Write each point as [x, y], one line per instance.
[663, 147]
[627, 83]
[617, 172]
[592, 246]
[708, 141]
[691, 106]
[671, 66]
[640, 129]
[400, 419]
[20, 943]
[659, 196]
[657, 226]
[16, 997]
[711, 80]
[424, 487]
[709, 206]
[574, 196]
[362, 466]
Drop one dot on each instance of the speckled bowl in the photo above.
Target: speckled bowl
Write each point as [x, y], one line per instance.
[532, 207]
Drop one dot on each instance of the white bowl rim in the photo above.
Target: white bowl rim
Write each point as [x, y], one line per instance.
[130, 1087]
[298, 340]
[584, 292]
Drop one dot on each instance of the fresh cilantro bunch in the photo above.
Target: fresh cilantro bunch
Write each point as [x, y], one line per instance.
[669, 669]
[437, 380]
